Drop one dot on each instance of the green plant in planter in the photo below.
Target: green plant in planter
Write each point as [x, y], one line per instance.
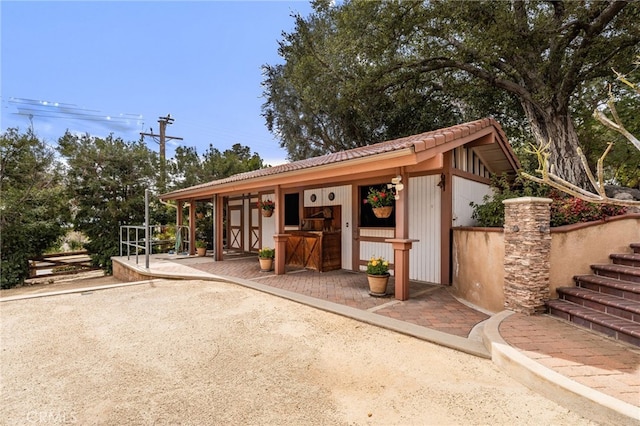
[267, 253]
[201, 244]
[377, 266]
[267, 205]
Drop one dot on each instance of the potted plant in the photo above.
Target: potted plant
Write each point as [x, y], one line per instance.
[378, 276]
[265, 256]
[266, 207]
[381, 201]
[201, 247]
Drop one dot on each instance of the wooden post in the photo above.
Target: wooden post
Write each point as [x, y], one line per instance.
[192, 227]
[219, 228]
[401, 247]
[281, 249]
[401, 243]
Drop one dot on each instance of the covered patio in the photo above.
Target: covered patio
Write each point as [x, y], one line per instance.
[320, 214]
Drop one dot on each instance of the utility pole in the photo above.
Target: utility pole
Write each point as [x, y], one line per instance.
[162, 140]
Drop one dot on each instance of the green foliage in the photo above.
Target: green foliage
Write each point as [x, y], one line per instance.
[267, 253]
[201, 244]
[565, 209]
[106, 180]
[75, 245]
[380, 197]
[268, 205]
[377, 266]
[359, 72]
[491, 212]
[33, 209]
[622, 164]
[188, 168]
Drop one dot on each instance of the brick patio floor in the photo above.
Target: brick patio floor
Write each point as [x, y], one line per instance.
[430, 306]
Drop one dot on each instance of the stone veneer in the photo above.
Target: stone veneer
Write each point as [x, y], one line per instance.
[527, 246]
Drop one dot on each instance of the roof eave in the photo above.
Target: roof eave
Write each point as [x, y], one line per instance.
[390, 159]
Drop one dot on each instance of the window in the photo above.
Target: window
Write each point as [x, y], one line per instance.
[368, 219]
[292, 209]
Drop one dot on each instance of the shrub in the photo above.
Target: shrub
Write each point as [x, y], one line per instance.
[267, 253]
[377, 266]
[565, 209]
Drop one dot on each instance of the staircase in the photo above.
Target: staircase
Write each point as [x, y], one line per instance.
[608, 301]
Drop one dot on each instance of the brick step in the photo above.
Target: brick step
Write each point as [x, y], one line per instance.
[612, 305]
[617, 328]
[623, 289]
[619, 272]
[635, 247]
[627, 259]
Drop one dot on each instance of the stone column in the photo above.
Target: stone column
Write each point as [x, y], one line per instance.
[527, 246]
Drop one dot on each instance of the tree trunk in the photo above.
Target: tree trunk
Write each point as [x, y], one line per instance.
[558, 129]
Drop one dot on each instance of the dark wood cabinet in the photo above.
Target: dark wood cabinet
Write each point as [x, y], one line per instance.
[314, 250]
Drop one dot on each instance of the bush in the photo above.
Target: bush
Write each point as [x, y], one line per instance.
[267, 253]
[565, 209]
[491, 212]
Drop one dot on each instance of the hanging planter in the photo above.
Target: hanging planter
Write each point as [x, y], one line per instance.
[382, 212]
[381, 200]
[267, 207]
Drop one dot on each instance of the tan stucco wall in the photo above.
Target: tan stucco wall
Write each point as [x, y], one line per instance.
[478, 267]
[478, 256]
[574, 248]
[124, 273]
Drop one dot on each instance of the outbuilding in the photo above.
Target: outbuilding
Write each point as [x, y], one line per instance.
[321, 222]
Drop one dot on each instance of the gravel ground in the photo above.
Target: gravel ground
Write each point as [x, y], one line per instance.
[206, 353]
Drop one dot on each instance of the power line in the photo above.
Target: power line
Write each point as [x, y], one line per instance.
[162, 140]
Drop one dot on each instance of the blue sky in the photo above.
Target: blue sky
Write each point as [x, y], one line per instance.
[116, 66]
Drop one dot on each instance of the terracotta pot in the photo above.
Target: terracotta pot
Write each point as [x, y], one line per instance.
[378, 284]
[266, 264]
[201, 251]
[382, 212]
[267, 213]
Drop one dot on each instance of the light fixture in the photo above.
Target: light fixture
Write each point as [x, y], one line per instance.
[396, 186]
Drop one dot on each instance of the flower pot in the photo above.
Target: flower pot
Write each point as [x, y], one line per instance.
[201, 251]
[267, 213]
[382, 212]
[266, 264]
[378, 284]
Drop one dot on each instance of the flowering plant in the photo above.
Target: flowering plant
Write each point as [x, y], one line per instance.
[379, 197]
[267, 205]
[377, 266]
[267, 253]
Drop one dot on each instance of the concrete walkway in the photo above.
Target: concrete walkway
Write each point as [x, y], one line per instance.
[581, 370]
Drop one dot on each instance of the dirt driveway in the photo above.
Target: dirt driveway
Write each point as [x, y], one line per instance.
[207, 353]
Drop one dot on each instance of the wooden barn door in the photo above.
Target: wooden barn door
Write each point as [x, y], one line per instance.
[235, 238]
[254, 226]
